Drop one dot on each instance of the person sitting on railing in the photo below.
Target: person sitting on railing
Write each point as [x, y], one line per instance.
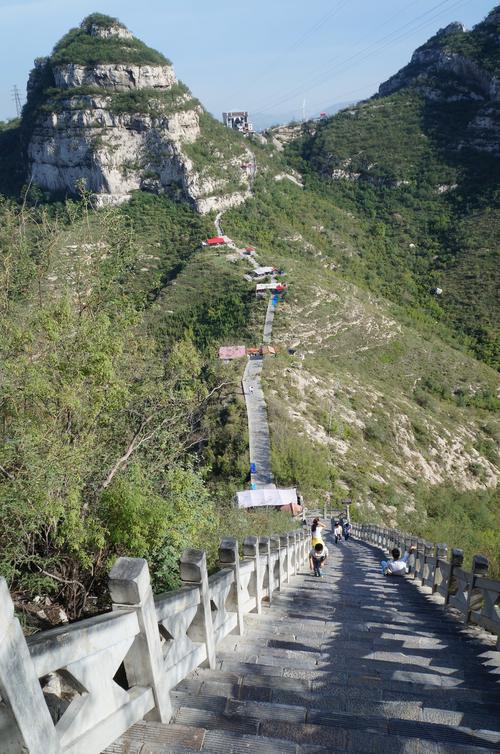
[317, 557]
[398, 566]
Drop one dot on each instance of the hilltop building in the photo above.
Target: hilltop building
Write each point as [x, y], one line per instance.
[238, 119]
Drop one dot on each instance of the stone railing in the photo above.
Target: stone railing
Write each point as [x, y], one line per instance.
[119, 667]
[475, 596]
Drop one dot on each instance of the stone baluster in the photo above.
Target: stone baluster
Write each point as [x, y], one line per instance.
[194, 572]
[456, 561]
[284, 543]
[420, 554]
[427, 551]
[26, 723]
[274, 542]
[475, 596]
[130, 588]
[265, 550]
[441, 554]
[229, 558]
[251, 552]
[292, 535]
[305, 546]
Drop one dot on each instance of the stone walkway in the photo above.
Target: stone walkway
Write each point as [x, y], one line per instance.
[258, 427]
[350, 663]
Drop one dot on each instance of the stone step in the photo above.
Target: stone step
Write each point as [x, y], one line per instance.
[415, 684]
[274, 625]
[333, 731]
[213, 696]
[384, 667]
[349, 650]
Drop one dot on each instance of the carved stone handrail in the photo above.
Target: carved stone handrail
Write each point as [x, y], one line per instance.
[476, 597]
[121, 666]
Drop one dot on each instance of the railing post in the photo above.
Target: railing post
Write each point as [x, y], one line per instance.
[284, 543]
[275, 548]
[31, 730]
[251, 552]
[300, 554]
[293, 551]
[229, 558]
[194, 571]
[130, 588]
[475, 596]
[441, 554]
[456, 561]
[265, 549]
[428, 547]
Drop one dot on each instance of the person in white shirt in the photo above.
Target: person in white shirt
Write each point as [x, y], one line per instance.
[337, 531]
[317, 557]
[317, 531]
[398, 566]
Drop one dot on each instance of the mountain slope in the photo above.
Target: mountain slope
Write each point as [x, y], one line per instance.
[373, 400]
[419, 165]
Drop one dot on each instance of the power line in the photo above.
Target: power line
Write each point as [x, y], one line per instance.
[298, 42]
[323, 74]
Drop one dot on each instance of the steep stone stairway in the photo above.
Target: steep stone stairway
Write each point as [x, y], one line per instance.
[351, 662]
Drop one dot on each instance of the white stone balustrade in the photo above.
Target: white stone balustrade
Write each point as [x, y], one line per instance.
[120, 666]
[475, 596]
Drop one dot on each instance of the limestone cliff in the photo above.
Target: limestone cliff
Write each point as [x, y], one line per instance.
[107, 112]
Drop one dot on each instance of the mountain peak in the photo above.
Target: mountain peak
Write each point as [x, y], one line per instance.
[104, 39]
[102, 26]
[107, 111]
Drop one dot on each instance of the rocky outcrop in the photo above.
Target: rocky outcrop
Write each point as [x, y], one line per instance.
[479, 83]
[118, 127]
[115, 78]
[458, 66]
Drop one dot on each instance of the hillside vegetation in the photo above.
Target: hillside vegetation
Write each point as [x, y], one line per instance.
[121, 432]
[377, 400]
[419, 169]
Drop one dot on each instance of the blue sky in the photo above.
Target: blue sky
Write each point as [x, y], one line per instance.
[261, 55]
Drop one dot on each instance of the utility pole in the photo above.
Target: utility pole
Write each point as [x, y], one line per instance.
[304, 110]
[17, 100]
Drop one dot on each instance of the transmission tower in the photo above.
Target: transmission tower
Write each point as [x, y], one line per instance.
[17, 100]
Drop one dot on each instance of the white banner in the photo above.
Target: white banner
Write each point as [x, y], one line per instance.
[266, 496]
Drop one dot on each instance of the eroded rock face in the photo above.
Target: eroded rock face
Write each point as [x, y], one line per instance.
[115, 78]
[480, 83]
[116, 128]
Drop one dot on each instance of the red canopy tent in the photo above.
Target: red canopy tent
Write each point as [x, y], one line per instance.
[215, 241]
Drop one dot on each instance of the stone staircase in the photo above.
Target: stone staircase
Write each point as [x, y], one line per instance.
[352, 662]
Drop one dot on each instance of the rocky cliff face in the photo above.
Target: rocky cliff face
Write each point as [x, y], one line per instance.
[460, 66]
[125, 123]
